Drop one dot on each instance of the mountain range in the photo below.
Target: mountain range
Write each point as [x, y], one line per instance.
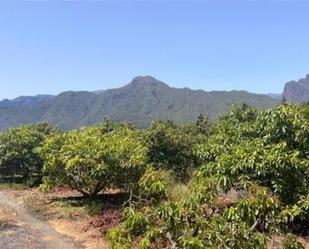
[142, 100]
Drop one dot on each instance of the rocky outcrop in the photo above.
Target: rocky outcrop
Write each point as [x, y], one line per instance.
[297, 91]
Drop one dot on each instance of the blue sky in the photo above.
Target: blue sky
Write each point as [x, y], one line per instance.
[50, 47]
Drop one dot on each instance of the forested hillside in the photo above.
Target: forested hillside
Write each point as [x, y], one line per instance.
[141, 101]
[239, 183]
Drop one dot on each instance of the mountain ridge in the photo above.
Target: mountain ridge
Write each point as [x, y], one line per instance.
[140, 101]
[26, 99]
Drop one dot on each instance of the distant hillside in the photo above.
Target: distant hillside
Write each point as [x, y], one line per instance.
[276, 96]
[141, 101]
[25, 100]
[297, 91]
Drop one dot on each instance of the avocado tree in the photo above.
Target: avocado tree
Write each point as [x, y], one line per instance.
[90, 160]
[170, 148]
[260, 156]
[18, 155]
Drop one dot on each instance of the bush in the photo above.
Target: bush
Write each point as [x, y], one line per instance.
[291, 242]
[91, 161]
[154, 184]
[169, 148]
[18, 156]
[262, 155]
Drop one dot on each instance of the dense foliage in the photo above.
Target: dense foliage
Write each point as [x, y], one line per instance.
[230, 185]
[95, 159]
[18, 155]
[170, 149]
[252, 182]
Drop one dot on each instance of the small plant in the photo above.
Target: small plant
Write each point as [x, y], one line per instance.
[119, 238]
[154, 184]
[291, 242]
[135, 221]
[178, 192]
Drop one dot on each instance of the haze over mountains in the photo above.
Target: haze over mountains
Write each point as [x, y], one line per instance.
[142, 100]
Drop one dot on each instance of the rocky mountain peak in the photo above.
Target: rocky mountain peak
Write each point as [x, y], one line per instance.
[297, 91]
[146, 81]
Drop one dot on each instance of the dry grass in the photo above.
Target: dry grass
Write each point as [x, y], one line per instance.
[7, 217]
[276, 242]
[178, 192]
[92, 238]
[13, 186]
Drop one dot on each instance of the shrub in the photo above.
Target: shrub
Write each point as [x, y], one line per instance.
[291, 242]
[18, 155]
[169, 148]
[154, 184]
[261, 154]
[90, 161]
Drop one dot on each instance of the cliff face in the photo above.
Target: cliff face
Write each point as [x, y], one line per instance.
[297, 91]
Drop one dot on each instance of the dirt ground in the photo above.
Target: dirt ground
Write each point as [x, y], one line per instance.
[32, 220]
[23, 228]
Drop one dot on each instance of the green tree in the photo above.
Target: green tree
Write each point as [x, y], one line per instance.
[169, 148]
[260, 156]
[18, 155]
[202, 124]
[90, 160]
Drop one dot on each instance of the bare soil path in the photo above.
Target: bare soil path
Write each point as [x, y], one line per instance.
[19, 229]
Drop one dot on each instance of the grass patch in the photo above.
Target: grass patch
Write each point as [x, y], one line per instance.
[66, 210]
[13, 186]
[79, 208]
[94, 207]
[178, 192]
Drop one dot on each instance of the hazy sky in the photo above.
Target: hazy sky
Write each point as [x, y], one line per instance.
[49, 47]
